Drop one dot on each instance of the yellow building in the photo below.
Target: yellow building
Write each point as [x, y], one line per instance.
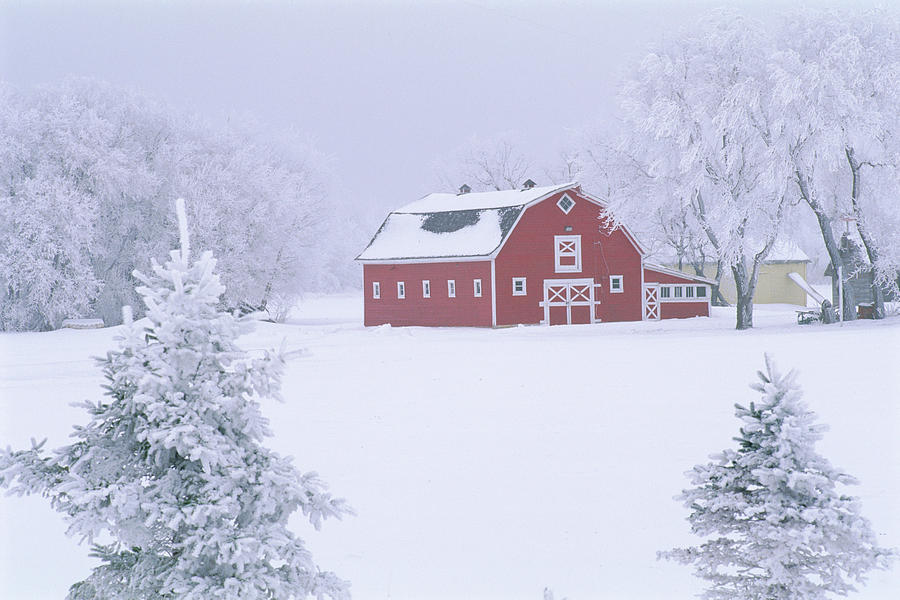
[774, 286]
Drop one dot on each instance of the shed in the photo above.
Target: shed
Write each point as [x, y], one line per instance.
[858, 274]
[774, 285]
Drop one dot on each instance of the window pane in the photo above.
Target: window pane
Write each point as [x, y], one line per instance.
[678, 291]
[701, 291]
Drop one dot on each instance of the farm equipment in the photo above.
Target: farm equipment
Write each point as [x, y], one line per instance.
[823, 314]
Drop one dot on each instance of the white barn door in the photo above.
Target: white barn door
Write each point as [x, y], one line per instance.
[651, 302]
[566, 294]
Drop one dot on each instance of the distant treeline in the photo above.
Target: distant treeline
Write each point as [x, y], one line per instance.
[89, 176]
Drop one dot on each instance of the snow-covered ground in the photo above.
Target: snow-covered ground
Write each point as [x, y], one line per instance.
[492, 463]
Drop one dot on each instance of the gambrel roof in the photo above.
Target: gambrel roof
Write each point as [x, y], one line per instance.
[444, 225]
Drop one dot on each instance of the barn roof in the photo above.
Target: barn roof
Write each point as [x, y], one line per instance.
[676, 273]
[443, 202]
[453, 225]
[786, 251]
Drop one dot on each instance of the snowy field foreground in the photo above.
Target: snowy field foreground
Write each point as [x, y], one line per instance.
[492, 463]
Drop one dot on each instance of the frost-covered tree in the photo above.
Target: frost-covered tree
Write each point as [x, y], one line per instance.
[775, 523]
[835, 74]
[46, 224]
[86, 173]
[170, 471]
[699, 122]
[486, 164]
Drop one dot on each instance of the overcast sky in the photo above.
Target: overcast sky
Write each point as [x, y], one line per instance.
[385, 88]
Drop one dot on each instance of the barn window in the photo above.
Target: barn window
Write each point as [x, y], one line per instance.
[376, 290]
[426, 288]
[565, 204]
[567, 253]
[665, 291]
[519, 286]
[401, 290]
[616, 285]
[701, 291]
[451, 288]
[478, 288]
[678, 292]
[689, 291]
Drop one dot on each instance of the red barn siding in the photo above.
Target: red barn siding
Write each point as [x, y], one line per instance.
[438, 310]
[683, 310]
[529, 252]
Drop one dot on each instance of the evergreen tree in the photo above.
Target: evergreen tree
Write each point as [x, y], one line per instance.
[171, 468]
[775, 525]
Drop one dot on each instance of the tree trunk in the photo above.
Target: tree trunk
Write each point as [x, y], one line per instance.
[264, 304]
[717, 298]
[871, 249]
[831, 246]
[699, 208]
[744, 296]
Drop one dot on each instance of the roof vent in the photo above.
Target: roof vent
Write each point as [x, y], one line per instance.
[528, 184]
[464, 189]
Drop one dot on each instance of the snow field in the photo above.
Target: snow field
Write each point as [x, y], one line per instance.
[493, 463]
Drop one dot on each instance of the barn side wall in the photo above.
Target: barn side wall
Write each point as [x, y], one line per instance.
[678, 309]
[529, 253]
[439, 310]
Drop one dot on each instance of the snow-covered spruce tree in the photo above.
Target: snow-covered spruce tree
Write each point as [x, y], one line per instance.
[776, 527]
[171, 469]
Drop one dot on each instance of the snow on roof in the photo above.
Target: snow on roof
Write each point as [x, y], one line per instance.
[462, 233]
[445, 225]
[786, 251]
[443, 202]
[677, 273]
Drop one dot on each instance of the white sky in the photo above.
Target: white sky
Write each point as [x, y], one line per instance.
[385, 88]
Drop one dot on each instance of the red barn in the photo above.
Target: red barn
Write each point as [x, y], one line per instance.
[535, 255]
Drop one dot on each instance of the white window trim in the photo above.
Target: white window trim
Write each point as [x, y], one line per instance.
[560, 201]
[401, 290]
[476, 288]
[684, 297]
[612, 289]
[376, 290]
[558, 240]
[426, 288]
[451, 288]
[524, 281]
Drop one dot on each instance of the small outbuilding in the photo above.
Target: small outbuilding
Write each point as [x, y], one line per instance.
[535, 255]
[774, 285]
[858, 275]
